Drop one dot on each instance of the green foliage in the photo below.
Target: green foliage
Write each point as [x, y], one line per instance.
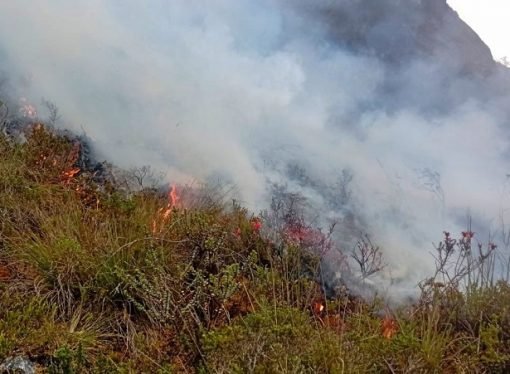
[98, 278]
[273, 340]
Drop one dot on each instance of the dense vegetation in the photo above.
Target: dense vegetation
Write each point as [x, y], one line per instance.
[96, 276]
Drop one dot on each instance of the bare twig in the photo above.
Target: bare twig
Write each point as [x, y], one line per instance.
[368, 257]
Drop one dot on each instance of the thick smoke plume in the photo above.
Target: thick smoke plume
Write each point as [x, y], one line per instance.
[389, 116]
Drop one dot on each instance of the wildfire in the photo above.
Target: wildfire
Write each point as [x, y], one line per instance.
[26, 109]
[71, 171]
[333, 321]
[389, 327]
[318, 307]
[165, 213]
[68, 175]
[174, 198]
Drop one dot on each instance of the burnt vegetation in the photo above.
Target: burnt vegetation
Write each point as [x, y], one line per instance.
[104, 272]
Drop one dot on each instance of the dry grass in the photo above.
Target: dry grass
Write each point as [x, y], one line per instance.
[99, 278]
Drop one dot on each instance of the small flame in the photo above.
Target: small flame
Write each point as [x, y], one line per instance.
[389, 327]
[174, 198]
[68, 175]
[165, 213]
[318, 307]
[72, 158]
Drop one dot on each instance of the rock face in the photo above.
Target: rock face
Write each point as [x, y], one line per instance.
[18, 364]
[399, 30]
[411, 38]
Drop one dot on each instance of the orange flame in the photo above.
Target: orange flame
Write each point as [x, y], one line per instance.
[68, 175]
[165, 213]
[174, 198]
[71, 159]
[318, 307]
[389, 327]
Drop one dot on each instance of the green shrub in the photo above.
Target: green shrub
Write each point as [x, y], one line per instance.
[272, 340]
[95, 277]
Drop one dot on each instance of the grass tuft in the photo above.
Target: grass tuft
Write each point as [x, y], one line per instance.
[100, 277]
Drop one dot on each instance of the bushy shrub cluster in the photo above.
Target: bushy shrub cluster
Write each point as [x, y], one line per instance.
[99, 277]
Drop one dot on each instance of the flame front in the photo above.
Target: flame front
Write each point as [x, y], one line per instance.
[165, 213]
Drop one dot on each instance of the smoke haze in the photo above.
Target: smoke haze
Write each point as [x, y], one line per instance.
[399, 94]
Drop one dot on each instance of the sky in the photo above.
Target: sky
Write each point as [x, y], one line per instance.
[490, 19]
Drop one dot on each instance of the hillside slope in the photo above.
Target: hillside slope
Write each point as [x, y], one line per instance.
[98, 278]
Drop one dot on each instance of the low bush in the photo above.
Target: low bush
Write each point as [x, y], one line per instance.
[99, 277]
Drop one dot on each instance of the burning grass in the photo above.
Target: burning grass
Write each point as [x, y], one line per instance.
[97, 278]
